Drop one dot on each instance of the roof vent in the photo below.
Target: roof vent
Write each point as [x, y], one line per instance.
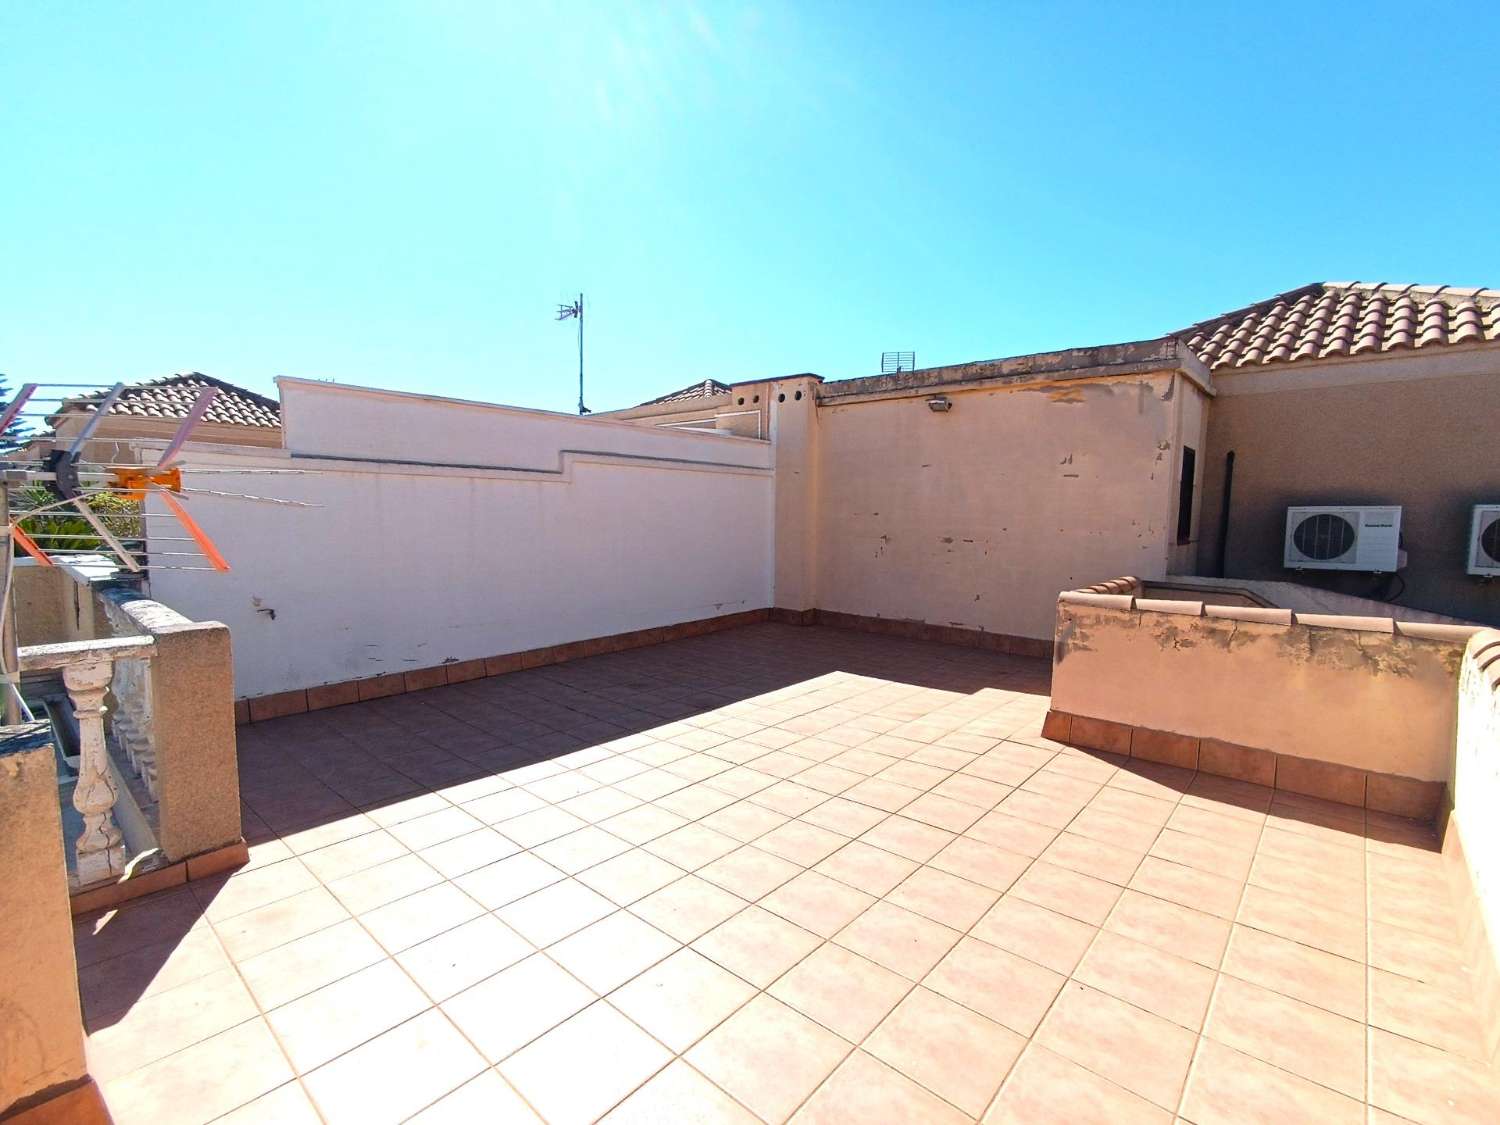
[893, 362]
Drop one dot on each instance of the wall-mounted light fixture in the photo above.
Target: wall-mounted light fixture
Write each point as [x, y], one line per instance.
[940, 404]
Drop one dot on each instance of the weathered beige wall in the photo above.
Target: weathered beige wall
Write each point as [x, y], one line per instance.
[1414, 430]
[1475, 788]
[977, 518]
[1379, 701]
[41, 1029]
[51, 606]
[1192, 433]
[796, 437]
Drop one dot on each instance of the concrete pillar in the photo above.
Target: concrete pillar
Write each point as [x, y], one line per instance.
[41, 1024]
[794, 433]
[197, 770]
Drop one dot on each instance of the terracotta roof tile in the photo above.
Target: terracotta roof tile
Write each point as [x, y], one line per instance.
[706, 389]
[1345, 318]
[173, 396]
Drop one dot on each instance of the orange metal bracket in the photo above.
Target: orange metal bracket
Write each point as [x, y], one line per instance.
[205, 544]
[29, 546]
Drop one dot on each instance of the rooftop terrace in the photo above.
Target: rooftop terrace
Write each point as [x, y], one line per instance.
[778, 873]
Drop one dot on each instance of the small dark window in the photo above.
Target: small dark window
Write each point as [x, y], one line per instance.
[1185, 495]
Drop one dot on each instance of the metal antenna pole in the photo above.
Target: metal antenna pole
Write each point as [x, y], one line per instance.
[581, 408]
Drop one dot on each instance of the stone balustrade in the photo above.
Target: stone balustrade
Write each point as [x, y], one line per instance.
[87, 668]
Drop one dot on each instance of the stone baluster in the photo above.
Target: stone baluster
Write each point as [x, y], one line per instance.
[132, 720]
[101, 855]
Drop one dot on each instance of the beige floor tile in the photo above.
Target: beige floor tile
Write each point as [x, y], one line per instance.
[1424, 1012]
[691, 846]
[487, 1098]
[1417, 956]
[679, 1094]
[119, 982]
[688, 908]
[266, 927]
[468, 852]
[866, 868]
[435, 828]
[1146, 1054]
[1230, 1088]
[1024, 837]
[630, 876]
[1036, 933]
[1421, 1083]
[864, 1089]
[841, 990]
[999, 984]
[744, 821]
[801, 843]
[1165, 925]
[554, 912]
[1160, 982]
[223, 898]
[354, 855]
[902, 941]
[945, 898]
[337, 1017]
[911, 839]
[392, 1077]
[1329, 930]
[644, 823]
[817, 903]
[1298, 971]
[613, 950]
[1230, 859]
[749, 872]
[286, 1105]
[504, 1012]
[1308, 1041]
[682, 999]
[768, 1057]
[401, 924]
[947, 1048]
[982, 863]
[878, 793]
[1045, 1088]
[1112, 828]
[1093, 857]
[203, 1081]
[447, 964]
[376, 886]
[580, 850]
[984, 795]
[621, 1057]
[757, 945]
[1187, 886]
[167, 1022]
[498, 884]
[945, 813]
[307, 964]
[1079, 896]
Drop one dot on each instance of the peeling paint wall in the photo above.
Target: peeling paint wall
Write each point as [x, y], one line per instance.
[977, 517]
[1382, 702]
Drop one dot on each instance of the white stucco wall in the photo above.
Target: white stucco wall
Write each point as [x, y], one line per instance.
[594, 528]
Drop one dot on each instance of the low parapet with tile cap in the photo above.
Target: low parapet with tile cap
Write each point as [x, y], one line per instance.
[1355, 709]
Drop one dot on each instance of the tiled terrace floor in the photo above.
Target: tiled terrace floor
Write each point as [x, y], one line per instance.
[769, 874]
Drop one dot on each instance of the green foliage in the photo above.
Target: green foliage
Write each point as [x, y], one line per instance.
[120, 514]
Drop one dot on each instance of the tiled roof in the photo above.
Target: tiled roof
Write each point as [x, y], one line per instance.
[173, 396]
[706, 389]
[1345, 318]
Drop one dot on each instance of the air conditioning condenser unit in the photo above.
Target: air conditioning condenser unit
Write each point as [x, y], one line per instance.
[1484, 540]
[1343, 538]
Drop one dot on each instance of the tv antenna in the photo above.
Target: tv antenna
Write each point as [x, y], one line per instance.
[40, 488]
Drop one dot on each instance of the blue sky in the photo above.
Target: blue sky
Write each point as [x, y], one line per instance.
[400, 194]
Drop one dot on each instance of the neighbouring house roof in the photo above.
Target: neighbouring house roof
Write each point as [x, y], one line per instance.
[706, 389]
[1330, 319]
[173, 396]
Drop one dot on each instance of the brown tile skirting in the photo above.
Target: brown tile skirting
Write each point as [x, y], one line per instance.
[262, 707]
[317, 698]
[1348, 785]
[161, 878]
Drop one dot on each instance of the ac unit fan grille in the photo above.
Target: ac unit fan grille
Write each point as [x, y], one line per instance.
[1324, 537]
[1489, 541]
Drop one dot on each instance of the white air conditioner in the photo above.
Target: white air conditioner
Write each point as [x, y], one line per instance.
[1484, 540]
[1349, 538]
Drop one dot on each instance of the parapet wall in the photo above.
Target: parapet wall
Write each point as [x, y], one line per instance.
[1361, 710]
